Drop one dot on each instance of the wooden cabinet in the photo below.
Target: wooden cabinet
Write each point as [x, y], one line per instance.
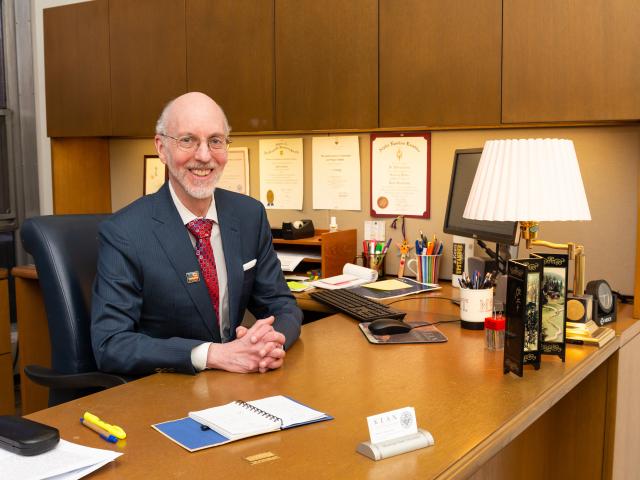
[328, 251]
[73, 190]
[286, 65]
[326, 64]
[148, 61]
[440, 62]
[76, 44]
[33, 332]
[230, 58]
[627, 421]
[7, 399]
[571, 61]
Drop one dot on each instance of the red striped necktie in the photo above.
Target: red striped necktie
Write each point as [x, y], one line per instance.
[201, 229]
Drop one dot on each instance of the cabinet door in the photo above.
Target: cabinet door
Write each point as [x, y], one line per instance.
[326, 64]
[148, 61]
[230, 58]
[439, 62]
[571, 60]
[76, 58]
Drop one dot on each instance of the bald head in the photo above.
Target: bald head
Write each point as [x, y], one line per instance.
[192, 104]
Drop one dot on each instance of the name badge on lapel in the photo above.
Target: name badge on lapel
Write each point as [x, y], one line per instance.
[192, 277]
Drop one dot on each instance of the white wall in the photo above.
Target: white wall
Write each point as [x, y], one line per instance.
[609, 157]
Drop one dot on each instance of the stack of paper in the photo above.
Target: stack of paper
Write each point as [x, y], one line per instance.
[289, 260]
[65, 462]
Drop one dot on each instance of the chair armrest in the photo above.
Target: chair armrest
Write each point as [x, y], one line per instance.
[50, 378]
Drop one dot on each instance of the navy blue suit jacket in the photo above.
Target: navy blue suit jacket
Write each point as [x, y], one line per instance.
[146, 317]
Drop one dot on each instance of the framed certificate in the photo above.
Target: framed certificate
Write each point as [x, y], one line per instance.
[155, 174]
[401, 174]
[236, 172]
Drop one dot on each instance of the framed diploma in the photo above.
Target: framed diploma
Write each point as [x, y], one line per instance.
[236, 173]
[400, 174]
[155, 174]
[281, 173]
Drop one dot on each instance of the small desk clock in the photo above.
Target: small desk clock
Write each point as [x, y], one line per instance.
[604, 302]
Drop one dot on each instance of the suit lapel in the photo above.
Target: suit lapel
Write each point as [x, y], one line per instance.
[175, 241]
[232, 246]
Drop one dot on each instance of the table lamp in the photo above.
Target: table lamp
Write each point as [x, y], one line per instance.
[531, 181]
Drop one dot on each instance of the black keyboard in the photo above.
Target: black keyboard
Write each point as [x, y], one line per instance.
[361, 308]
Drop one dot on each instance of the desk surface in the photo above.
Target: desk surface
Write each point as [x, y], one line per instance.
[457, 388]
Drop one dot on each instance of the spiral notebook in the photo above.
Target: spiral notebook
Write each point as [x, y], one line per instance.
[226, 423]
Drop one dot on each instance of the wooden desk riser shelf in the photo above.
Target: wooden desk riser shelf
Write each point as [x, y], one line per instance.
[336, 249]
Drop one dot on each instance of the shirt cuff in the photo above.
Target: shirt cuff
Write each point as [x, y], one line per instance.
[199, 356]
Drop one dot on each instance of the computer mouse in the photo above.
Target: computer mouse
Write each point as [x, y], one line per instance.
[388, 326]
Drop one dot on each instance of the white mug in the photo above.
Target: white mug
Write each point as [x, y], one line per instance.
[475, 306]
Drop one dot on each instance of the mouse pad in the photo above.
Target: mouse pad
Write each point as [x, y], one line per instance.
[421, 333]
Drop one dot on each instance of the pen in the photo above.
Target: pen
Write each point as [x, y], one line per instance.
[386, 246]
[112, 429]
[100, 431]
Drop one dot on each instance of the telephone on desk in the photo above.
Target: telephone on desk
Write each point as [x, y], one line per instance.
[294, 230]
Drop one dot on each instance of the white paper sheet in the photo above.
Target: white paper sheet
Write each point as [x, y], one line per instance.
[290, 260]
[352, 275]
[65, 458]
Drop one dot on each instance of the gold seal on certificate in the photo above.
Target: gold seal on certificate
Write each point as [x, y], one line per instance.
[383, 202]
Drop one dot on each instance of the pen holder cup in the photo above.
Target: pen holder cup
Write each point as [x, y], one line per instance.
[475, 306]
[425, 267]
[373, 261]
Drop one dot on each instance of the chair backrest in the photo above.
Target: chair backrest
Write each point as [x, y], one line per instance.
[65, 250]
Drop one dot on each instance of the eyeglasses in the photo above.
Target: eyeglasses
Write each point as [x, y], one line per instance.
[188, 143]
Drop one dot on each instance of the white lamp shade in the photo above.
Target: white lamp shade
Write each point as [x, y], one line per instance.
[528, 180]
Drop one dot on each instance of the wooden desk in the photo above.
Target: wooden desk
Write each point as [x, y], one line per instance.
[551, 423]
[7, 398]
[33, 335]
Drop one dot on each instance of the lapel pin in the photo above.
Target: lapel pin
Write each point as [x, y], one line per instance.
[192, 277]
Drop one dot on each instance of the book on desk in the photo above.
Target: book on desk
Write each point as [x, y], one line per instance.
[236, 420]
[588, 333]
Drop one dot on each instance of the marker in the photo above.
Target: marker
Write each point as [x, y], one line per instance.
[112, 429]
[100, 431]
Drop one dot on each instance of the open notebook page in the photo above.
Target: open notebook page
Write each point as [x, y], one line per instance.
[289, 411]
[234, 421]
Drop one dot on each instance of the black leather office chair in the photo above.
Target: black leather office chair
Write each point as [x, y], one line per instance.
[65, 250]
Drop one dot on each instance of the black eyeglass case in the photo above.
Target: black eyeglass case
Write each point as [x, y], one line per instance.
[26, 437]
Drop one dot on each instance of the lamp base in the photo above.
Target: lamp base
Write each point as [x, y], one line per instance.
[579, 308]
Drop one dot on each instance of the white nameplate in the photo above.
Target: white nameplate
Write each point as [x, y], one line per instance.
[392, 425]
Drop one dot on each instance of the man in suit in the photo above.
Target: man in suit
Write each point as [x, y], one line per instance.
[178, 268]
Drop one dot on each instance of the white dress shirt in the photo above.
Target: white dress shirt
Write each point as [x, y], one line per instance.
[199, 353]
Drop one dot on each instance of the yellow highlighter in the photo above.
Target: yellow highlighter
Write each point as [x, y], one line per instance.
[114, 430]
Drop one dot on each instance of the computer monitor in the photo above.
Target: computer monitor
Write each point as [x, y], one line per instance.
[465, 164]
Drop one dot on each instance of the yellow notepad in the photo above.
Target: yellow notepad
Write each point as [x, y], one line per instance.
[388, 285]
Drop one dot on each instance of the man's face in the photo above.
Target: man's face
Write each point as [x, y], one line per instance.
[194, 172]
